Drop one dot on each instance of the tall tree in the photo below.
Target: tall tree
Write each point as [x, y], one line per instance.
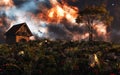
[91, 14]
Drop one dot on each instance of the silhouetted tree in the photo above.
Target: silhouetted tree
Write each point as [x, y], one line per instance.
[93, 15]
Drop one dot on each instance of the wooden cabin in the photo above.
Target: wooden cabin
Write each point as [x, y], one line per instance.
[18, 33]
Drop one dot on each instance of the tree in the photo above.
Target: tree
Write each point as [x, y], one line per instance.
[92, 15]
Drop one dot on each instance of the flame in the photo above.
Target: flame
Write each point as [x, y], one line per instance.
[58, 12]
[79, 37]
[5, 5]
[94, 60]
[101, 29]
[8, 3]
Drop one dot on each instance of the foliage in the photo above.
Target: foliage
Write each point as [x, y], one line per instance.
[47, 57]
[93, 15]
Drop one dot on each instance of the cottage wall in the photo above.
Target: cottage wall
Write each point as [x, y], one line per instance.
[22, 38]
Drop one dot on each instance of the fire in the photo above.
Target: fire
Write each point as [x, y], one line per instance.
[8, 3]
[94, 60]
[101, 29]
[79, 37]
[58, 12]
[5, 5]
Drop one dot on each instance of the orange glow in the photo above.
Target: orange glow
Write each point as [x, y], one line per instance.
[60, 11]
[79, 37]
[8, 3]
[101, 29]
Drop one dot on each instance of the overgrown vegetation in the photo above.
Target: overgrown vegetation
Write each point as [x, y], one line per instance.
[47, 57]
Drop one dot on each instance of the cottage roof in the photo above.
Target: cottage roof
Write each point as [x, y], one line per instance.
[15, 28]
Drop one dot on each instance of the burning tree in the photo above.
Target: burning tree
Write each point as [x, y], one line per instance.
[92, 16]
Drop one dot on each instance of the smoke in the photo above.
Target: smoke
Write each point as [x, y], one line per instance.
[59, 32]
[113, 7]
[53, 19]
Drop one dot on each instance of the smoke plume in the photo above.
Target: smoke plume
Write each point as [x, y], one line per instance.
[53, 19]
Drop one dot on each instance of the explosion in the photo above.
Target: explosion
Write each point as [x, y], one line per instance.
[53, 19]
[61, 11]
[58, 12]
[6, 3]
[101, 30]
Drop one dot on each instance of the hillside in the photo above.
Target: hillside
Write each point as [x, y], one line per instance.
[47, 57]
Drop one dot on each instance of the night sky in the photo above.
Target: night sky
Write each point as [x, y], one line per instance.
[113, 7]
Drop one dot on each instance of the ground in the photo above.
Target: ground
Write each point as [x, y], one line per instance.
[45, 57]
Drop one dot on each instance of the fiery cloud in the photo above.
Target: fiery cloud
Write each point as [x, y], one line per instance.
[8, 3]
[101, 30]
[53, 19]
[60, 11]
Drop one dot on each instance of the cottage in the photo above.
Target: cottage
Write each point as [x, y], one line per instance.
[18, 33]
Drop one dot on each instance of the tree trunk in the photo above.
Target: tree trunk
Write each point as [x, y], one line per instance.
[90, 36]
[90, 33]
